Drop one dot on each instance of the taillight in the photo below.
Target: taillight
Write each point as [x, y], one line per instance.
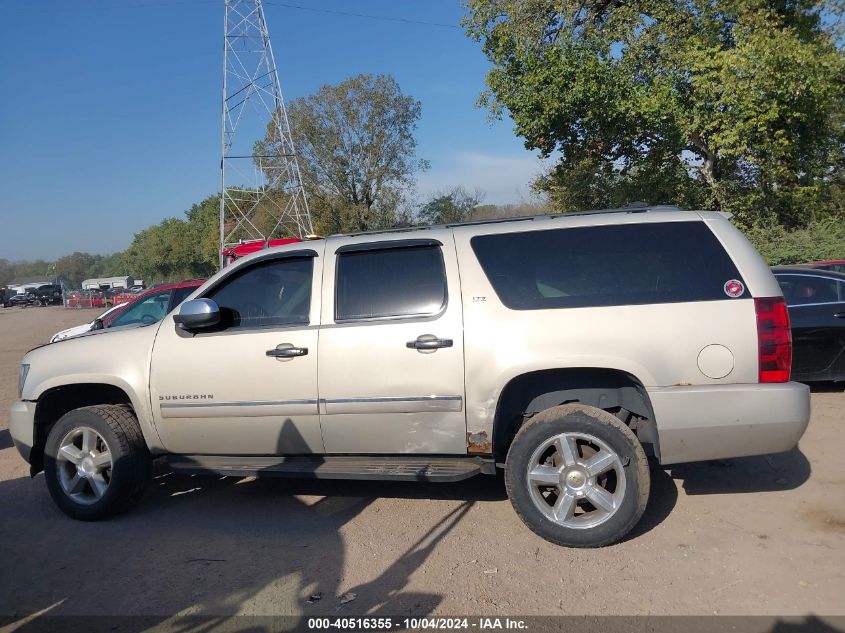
[774, 338]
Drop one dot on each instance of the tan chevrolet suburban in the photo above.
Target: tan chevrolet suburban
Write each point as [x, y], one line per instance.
[564, 349]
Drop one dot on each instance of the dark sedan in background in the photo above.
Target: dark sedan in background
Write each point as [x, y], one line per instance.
[816, 302]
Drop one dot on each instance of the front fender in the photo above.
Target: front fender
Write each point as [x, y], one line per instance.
[120, 359]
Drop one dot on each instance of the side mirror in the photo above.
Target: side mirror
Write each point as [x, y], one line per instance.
[197, 314]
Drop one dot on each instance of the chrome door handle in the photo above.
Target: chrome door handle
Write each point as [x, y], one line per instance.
[839, 315]
[429, 341]
[286, 350]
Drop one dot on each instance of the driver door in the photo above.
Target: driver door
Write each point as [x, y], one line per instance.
[227, 391]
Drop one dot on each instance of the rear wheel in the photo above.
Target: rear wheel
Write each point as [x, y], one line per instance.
[577, 476]
[96, 462]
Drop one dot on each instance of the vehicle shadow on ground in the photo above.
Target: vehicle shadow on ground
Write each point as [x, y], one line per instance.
[766, 473]
[663, 495]
[212, 547]
[826, 387]
[5, 439]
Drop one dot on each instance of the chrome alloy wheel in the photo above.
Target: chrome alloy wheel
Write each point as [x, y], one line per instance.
[576, 480]
[84, 465]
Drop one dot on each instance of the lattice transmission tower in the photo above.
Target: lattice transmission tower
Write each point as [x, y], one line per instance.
[261, 195]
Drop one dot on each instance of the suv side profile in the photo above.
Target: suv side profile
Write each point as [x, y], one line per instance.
[563, 349]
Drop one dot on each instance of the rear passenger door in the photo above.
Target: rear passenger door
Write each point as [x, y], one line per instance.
[391, 347]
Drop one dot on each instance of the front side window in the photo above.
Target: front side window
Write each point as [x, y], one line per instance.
[271, 293]
[808, 289]
[628, 264]
[393, 282]
[147, 311]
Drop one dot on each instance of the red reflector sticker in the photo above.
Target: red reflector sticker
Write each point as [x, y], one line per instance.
[734, 288]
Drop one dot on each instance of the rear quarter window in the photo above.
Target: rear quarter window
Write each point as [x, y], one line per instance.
[630, 264]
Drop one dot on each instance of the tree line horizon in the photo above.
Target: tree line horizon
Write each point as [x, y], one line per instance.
[728, 105]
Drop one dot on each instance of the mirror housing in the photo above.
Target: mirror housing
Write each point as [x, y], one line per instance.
[197, 314]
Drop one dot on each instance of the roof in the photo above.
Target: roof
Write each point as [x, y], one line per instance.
[635, 208]
[24, 281]
[190, 283]
[106, 279]
[806, 269]
[602, 217]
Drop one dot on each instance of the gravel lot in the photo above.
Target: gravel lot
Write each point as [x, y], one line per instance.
[749, 536]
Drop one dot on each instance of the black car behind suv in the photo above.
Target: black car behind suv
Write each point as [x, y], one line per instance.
[816, 303]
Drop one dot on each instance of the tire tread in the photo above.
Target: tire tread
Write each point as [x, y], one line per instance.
[121, 420]
[640, 464]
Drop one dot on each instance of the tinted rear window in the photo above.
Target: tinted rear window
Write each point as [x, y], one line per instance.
[629, 264]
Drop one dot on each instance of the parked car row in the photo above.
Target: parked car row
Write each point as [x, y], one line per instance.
[43, 295]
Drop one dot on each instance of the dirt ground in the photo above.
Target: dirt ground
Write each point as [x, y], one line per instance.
[761, 535]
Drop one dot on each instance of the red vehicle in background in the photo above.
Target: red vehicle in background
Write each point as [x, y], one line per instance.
[146, 308]
[125, 297]
[247, 248]
[835, 265]
[85, 299]
[152, 305]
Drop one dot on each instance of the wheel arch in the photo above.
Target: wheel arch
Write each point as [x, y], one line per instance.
[55, 402]
[613, 390]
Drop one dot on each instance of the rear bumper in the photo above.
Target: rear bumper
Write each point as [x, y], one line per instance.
[721, 421]
[22, 427]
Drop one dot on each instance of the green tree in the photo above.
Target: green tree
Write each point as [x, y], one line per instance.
[7, 271]
[37, 268]
[357, 150]
[76, 266]
[725, 104]
[176, 249]
[455, 205]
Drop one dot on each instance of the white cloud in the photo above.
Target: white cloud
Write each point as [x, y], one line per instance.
[502, 178]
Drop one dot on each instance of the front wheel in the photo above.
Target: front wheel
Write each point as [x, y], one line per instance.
[96, 462]
[577, 476]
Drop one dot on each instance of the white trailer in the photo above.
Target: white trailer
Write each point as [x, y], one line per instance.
[105, 283]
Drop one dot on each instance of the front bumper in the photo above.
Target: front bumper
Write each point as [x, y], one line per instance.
[722, 421]
[22, 426]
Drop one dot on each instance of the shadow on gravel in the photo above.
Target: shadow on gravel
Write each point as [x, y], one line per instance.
[5, 439]
[211, 547]
[826, 387]
[766, 473]
[661, 501]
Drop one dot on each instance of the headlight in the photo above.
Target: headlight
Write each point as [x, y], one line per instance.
[22, 378]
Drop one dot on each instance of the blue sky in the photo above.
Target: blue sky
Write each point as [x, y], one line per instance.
[110, 109]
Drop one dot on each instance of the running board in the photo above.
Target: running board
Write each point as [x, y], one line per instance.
[395, 468]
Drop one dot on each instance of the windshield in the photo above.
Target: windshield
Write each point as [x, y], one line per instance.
[149, 310]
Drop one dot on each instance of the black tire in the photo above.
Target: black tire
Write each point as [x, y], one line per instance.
[578, 419]
[131, 464]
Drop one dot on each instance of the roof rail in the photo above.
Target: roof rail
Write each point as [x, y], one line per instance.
[634, 207]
